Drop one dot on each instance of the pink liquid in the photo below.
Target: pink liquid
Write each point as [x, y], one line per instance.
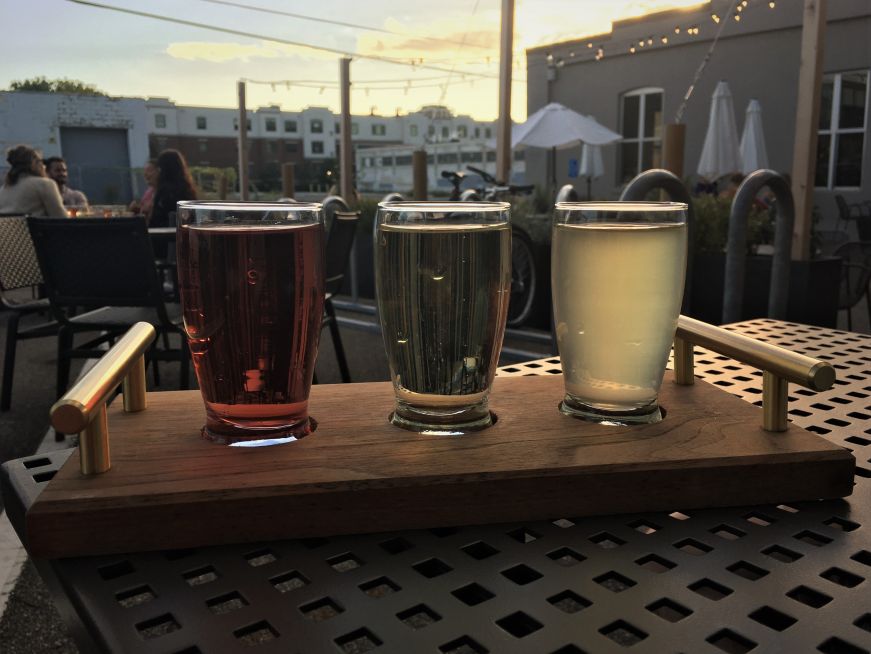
[253, 303]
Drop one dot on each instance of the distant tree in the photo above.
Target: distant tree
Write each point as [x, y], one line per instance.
[43, 85]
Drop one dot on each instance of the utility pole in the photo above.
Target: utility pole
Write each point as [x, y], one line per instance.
[346, 151]
[503, 126]
[243, 144]
[807, 116]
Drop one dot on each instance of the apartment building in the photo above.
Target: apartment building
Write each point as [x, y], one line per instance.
[105, 140]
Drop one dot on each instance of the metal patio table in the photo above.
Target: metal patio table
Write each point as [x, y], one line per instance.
[787, 578]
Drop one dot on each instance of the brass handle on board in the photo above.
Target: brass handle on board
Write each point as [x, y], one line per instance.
[82, 409]
[779, 366]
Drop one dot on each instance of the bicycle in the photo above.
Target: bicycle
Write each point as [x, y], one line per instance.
[523, 272]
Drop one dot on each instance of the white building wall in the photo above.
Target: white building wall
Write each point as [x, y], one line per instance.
[36, 119]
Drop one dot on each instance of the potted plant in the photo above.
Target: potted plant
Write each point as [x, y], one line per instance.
[813, 284]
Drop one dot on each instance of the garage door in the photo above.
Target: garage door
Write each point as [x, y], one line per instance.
[99, 163]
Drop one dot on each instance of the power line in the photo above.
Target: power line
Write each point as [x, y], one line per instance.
[273, 39]
[329, 21]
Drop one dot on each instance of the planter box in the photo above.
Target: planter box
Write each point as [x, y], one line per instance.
[813, 289]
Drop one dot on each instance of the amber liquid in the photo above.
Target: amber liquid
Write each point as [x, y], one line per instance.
[253, 304]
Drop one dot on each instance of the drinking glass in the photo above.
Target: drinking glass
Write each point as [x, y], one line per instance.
[251, 277]
[443, 280]
[617, 277]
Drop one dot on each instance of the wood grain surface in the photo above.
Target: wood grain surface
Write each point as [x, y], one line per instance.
[357, 473]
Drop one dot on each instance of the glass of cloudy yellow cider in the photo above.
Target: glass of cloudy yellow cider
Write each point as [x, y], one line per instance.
[617, 276]
[443, 280]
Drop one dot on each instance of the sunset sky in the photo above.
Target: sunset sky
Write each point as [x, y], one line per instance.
[139, 56]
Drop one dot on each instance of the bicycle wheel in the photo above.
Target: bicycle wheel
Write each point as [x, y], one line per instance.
[523, 278]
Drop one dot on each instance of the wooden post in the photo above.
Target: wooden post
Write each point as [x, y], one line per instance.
[243, 144]
[346, 151]
[223, 184]
[503, 124]
[287, 180]
[807, 115]
[673, 148]
[419, 172]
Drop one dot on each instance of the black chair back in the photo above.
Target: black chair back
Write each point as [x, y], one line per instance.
[91, 262]
[340, 240]
[856, 272]
[18, 265]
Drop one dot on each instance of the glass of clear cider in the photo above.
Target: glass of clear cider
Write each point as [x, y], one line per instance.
[443, 280]
[617, 275]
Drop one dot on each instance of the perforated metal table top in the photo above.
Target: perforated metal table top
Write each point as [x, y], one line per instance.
[766, 578]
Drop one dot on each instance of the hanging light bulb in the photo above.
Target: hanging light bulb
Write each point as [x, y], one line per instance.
[715, 18]
[737, 18]
[632, 50]
[649, 40]
[641, 43]
[589, 45]
[771, 5]
[677, 30]
[664, 39]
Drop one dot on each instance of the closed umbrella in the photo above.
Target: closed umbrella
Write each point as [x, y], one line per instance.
[555, 125]
[721, 153]
[592, 165]
[753, 152]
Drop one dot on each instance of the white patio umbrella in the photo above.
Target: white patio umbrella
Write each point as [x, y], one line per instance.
[753, 152]
[721, 154]
[592, 166]
[555, 126]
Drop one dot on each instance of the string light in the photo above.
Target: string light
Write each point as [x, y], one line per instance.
[677, 30]
[650, 40]
[737, 18]
[589, 45]
[715, 18]
[664, 39]
[771, 5]
[632, 50]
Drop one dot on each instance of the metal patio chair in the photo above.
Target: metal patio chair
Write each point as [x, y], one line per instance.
[19, 270]
[340, 240]
[106, 267]
[855, 277]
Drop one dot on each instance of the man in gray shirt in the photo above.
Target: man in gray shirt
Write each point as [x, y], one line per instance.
[56, 169]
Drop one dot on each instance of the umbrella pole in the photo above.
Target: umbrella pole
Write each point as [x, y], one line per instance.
[553, 171]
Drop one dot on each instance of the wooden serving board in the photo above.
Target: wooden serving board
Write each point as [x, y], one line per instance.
[168, 488]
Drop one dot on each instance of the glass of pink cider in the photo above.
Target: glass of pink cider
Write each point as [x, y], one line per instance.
[251, 279]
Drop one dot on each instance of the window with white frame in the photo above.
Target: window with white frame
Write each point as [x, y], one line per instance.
[379, 129]
[160, 120]
[317, 147]
[316, 126]
[412, 130]
[290, 126]
[201, 122]
[641, 126]
[271, 124]
[841, 136]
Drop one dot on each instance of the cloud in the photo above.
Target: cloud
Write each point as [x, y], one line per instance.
[221, 52]
[440, 38]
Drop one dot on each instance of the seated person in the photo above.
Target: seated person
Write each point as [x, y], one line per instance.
[56, 168]
[27, 190]
[142, 206]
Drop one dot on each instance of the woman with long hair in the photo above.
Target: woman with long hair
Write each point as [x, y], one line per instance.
[27, 190]
[174, 184]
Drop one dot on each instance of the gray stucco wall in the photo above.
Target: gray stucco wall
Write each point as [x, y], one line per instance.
[758, 57]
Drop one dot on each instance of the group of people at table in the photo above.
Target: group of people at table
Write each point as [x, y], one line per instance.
[37, 187]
